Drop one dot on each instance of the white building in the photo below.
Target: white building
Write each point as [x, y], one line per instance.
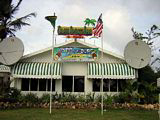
[33, 72]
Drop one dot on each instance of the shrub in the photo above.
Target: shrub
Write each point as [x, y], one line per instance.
[31, 98]
[68, 97]
[108, 99]
[81, 98]
[122, 98]
[45, 98]
[90, 97]
[14, 94]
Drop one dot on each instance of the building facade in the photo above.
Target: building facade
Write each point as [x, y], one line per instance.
[34, 71]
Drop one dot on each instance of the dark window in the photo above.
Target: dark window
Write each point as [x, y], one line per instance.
[42, 84]
[96, 85]
[121, 85]
[78, 84]
[25, 85]
[49, 85]
[113, 85]
[106, 85]
[34, 84]
[67, 83]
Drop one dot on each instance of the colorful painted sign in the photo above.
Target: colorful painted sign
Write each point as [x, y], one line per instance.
[75, 54]
[64, 30]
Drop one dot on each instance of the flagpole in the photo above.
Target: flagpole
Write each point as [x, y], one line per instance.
[102, 75]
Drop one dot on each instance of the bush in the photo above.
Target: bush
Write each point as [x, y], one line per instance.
[45, 98]
[108, 99]
[14, 94]
[68, 97]
[31, 98]
[122, 98]
[81, 98]
[90, 97]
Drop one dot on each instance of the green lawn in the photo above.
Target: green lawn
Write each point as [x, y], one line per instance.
[66, 114]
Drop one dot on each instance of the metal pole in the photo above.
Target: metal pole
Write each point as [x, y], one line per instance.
[52, 73]
[102, 76]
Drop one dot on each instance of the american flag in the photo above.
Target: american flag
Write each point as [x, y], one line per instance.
[97, 31]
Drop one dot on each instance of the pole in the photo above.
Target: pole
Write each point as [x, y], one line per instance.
[52, 73]
[102, 76]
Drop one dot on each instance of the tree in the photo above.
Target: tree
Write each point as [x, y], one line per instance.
[8, 24]
[147, 78]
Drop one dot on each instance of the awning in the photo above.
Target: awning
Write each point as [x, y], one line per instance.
[36, 70]
[110, 71]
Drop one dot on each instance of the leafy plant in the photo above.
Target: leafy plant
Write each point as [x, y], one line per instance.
[108, 99]
[45, 98]
[90, 97]
[31, 98]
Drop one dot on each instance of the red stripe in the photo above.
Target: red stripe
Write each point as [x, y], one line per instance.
[98, 29]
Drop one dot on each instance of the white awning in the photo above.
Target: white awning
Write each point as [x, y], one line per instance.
[111, 71]
[36, 70]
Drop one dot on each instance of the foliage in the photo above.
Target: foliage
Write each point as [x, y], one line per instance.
[45, 98]
[90, 97]
[68, 97]
[8, 24]
[31, 98]
[81, 98]
[108, 99]
[147, 85]
[14, 93]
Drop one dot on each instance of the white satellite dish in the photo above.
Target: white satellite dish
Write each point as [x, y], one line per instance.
[137, 54]
[11, 50]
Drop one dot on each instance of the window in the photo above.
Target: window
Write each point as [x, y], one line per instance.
[106, 85]
[34, 84]
[42, 84]
[25, 85]
[96, 85]
[113, 85]
[67, 83]
[121, 85]
[49, 85]
[73, 83]
[78, 84]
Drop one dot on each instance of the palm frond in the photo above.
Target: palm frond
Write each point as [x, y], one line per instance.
[16, 8]
[17, 24]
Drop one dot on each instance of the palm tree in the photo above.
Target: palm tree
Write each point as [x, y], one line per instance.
[90, 21]
[9, 25]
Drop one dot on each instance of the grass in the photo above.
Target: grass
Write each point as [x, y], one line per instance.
[66, 114]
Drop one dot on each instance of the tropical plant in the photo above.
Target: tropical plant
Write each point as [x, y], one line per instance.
[8, 24]
[89, 22]
[147, 86]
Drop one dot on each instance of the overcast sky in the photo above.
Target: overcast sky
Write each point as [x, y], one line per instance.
[119, 16]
